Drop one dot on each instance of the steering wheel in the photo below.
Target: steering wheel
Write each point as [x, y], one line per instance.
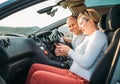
[56, 36]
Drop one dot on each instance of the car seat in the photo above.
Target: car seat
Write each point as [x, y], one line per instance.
[114, 73]
[102, 22]
[112, 30]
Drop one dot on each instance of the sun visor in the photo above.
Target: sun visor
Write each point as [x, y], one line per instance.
[91, 3]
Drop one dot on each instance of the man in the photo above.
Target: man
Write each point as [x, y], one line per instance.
[78, 35]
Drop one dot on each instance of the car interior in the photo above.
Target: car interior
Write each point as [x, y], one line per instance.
[18, 53]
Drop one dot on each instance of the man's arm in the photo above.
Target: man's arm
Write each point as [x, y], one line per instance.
[67, 40]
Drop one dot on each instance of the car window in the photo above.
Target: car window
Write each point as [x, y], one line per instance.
[29, 17]
[65, 30]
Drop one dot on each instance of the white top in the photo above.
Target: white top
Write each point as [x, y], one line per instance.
[77, 39]
[87, 54]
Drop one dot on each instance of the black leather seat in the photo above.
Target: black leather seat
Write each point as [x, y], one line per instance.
[114, 73]
[102, 22]
[112, 30]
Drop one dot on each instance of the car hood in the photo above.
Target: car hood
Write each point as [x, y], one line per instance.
[25, 31]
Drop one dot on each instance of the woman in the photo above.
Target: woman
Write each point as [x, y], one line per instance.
[85, 56]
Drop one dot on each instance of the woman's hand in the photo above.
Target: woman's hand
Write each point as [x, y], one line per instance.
[61, 49]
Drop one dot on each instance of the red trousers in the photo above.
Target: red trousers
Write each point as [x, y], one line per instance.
[45, 74]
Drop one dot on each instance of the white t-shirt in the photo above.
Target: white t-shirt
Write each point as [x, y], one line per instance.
[87, 54]
[77, 39]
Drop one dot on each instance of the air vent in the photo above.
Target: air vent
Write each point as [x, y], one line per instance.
[5, 42]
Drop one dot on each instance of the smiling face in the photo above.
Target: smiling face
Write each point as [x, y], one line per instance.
[84, 24]
[87, 21]
[73, 25]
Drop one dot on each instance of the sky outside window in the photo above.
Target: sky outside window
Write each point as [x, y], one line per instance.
[29, 16]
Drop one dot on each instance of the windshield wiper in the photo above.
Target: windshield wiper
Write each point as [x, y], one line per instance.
[16, 35]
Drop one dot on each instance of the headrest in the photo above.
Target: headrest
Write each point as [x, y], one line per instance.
[113, 18]
[103, 21]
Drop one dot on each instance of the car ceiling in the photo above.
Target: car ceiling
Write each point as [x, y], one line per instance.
[77, 6]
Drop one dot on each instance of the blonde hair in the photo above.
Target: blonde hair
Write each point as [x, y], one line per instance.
[91, 13]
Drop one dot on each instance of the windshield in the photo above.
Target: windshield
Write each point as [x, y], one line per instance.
[30, 18]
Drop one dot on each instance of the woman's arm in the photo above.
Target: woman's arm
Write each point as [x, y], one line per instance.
[92, 51]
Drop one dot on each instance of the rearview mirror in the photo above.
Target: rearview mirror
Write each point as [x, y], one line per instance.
[49, 10]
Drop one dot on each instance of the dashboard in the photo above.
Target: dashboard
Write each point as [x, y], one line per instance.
[18, 53]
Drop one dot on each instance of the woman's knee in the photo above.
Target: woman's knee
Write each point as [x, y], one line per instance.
[37, 77]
